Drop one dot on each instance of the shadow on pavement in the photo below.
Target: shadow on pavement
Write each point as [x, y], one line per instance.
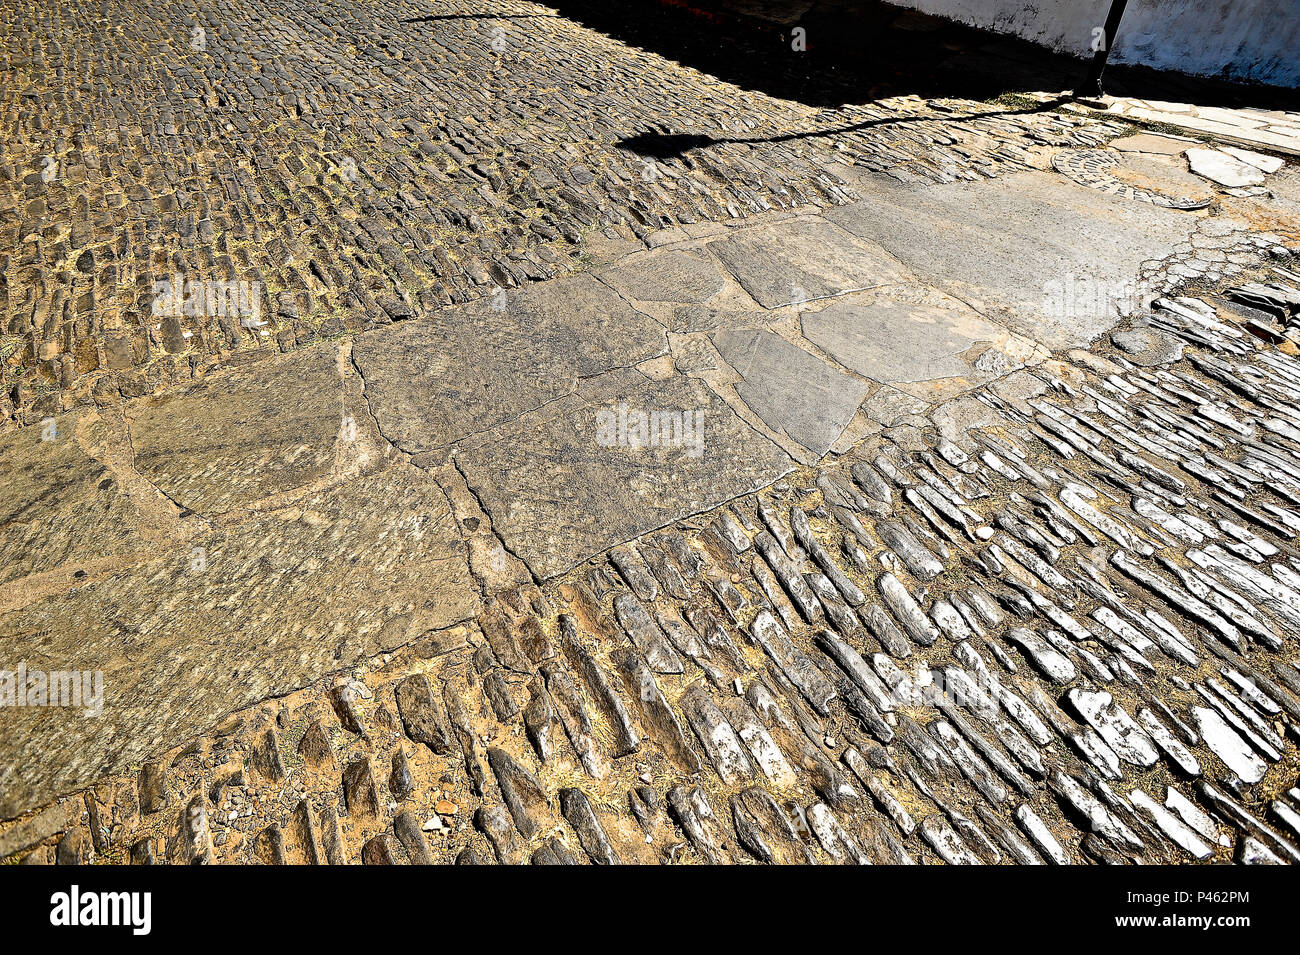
[668, 145]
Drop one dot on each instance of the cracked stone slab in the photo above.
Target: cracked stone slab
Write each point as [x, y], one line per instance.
[566, 482]
[246, 435]
[899, 341]
[1040, 238]
[432, 383]
[1223, 169]
[804, 260]
[228, 619]
[794, 392]
[59, 505]
[666, 276]
[1267, 164]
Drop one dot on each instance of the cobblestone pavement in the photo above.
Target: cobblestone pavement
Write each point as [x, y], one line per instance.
[363, 163]
[1067, 638]
[798, 501]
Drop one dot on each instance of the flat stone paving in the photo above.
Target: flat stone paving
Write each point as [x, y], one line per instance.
[903, 338]
[431, 383]
[794, 392]
[573, 479]
[589, 509]
[246, 435]
[1100, 574]
[214, 624]
[998, 245]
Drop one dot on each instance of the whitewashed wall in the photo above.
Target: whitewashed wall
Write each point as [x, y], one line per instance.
[1239, 39]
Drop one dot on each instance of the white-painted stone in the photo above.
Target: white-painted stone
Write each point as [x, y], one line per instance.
[1223, 740]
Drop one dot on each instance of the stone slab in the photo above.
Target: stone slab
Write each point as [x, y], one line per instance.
[1267, 164]
[1000, 244]
[794, 392]
[1148, 347]
[1165, 175]
[244, 435]
[561, 485]
[803, 260]
[896, 340]
[1219, 167]
[59, 505]
[433, 382]
[666, 276]
[265, 607]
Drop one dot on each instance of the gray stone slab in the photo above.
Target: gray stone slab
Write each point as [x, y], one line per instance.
[57, 504]
[568, 481]
[896, 341]
[264, 608]
[666, 276]
[889, 406]
[432, 382]
[794, 392]
[803, 260]
[245, 435]
[1000, 245]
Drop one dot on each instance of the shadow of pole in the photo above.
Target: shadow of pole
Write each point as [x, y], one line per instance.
[672, 145]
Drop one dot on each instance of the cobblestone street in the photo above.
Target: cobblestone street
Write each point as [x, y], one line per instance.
[506, 433]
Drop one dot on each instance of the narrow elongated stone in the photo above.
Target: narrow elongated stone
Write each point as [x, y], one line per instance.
[1115, 726]
[792, 661]
[1224, 742]
[906, 610]
[717, 736]
[764, 828]
[607, 700]
[577, 809]
[571, 709]
[804, 535]
[851, 662]
[1173, 827]
[1049, 661]
[881, 626]
[767, 756]
[689, 805]
[646, 635]
[801, 595]
[1038, 833]
[1178, 754]
[656, 713]
[521, 792]
[919, 561]
[837, 842]
[944, 841]
[408, 833]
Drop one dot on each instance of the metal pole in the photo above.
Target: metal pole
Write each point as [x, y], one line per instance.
[1092, 84]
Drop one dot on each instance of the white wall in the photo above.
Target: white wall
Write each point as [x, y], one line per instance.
[1238, 39]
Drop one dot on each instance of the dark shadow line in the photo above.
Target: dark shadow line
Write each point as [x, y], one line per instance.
[668, 145]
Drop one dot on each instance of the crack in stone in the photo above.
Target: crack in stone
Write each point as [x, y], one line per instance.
[492, 522]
